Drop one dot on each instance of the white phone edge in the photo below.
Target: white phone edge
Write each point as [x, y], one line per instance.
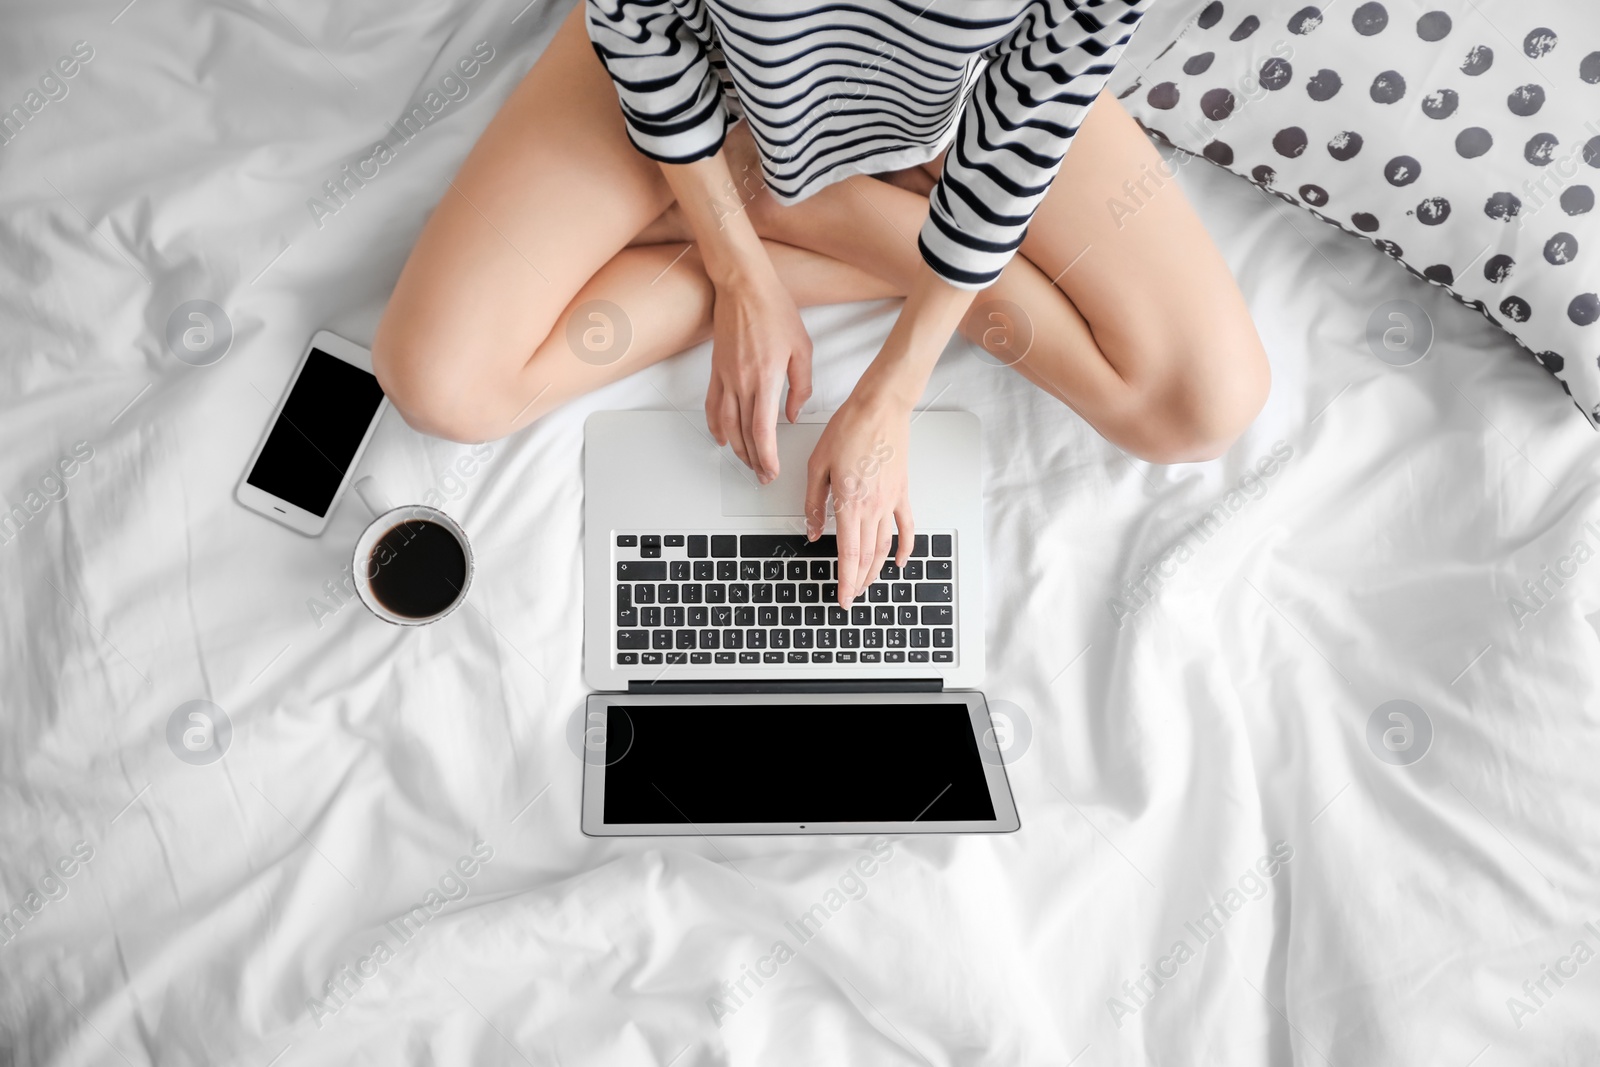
[275, 508]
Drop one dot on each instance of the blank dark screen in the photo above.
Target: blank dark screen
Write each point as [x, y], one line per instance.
[317, 434]
[793, 763]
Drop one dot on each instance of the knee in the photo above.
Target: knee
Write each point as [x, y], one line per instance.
[1198, 415]
[434, 393]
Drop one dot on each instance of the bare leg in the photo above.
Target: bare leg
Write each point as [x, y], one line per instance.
[1137, 327]
[545, 217]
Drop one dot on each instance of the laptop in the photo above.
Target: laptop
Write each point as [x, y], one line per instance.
[733, 695]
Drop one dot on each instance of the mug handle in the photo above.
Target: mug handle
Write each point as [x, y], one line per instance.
[372, 495]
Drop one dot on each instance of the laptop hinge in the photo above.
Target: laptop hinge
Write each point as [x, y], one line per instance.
[820, 685]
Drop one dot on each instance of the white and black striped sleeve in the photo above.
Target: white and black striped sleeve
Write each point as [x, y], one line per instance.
[1017, 124]
[671, 97]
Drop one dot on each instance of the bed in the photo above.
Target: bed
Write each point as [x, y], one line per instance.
[1232, 850]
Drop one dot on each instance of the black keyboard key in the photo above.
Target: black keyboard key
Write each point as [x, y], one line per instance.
[633, 570]
[943, 655]
[723, 545]
[792, 616]
[827, 638]
[878, 593]
[727, 570]
[644, 594]
[896, 637]
[819, 570]
[889, 572]
[940, 569]
[675, 659]
[716, 593]
[772, 657]
[697, 546]
[944, 638]
[938, 615]
[755, 639]
[786, 593]
[883, 616]
[900, 591]
[650, 546]
[822, 657]
[625, 595]
[761, 593]
[724, 657]
[778, 638]
[710, 638]
[919, 638]
[750, 570]
[917, 656]
[627, 616]
[799, 657]
[732, 639]
[767, 615]
[721, 615]
[849, 639]
[661, 639]
[738, 593]
[699, 616]
[942, 545]
[704, 571]
[627, 657]
[796, 570]
[673, 540]
[633, 639]
[672, 616]
[871, 657]
[913, 571]
[810, 593]
[692, 592]
[686, 639]
[830, 593]
[860, 615]
[744, 616]
[919, 545]
[651, 658]
[649, 617]
[627, 540]
[815, 614]
[845, 657]
[680, 570]
[933, 593]
[787, 546]
[907, 615]
[699, 657]
[667, 594]
[802, 638]
[837, 616]
[894, 657]
[872, 637]
[772, 570]
[749, 657]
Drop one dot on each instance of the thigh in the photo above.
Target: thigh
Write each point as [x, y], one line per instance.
[550, 193]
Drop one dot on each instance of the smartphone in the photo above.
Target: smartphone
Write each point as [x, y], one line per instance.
[315, 439]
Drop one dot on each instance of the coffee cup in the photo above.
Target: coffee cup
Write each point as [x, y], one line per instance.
[412, 564]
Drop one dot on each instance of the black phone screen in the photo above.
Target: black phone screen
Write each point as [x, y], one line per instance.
[317, 434]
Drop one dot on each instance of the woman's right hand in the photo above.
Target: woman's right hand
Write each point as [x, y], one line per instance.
[758, 341]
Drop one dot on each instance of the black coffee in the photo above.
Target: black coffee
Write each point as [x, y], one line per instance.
[417, 569]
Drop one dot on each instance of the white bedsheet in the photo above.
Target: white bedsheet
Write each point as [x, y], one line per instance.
[1171, 748]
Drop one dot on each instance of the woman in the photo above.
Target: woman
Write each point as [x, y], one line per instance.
[697, 224]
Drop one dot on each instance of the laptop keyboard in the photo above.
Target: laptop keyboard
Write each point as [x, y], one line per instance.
[768, 599]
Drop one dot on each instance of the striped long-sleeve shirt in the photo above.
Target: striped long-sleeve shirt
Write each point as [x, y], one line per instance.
[832, 89]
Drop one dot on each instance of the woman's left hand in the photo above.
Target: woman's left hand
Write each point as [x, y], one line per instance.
[860, 461]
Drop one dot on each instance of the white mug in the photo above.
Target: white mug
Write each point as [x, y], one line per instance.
[363, 565]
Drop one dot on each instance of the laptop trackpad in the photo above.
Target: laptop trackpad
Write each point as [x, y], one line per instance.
[742, 491]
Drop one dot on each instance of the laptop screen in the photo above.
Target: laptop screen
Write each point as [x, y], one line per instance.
[793, 763]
